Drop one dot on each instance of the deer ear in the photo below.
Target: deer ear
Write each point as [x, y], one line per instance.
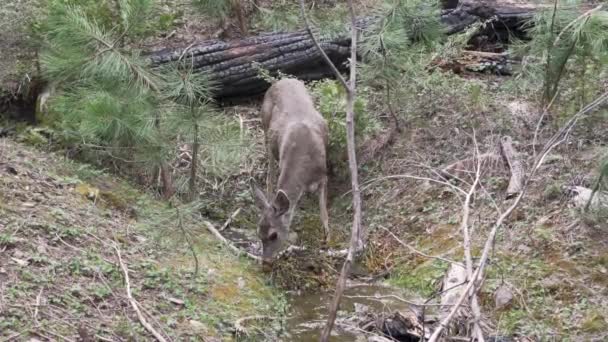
[259, 198]
[281, 203]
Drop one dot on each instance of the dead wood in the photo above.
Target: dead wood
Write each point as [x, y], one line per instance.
[588, 199]
[475, 282]
[229, 244]
[234, 65]
[133, 302]
[461, 169]
[230, 219]
[512, 159]
[356, 244]
[453, 287]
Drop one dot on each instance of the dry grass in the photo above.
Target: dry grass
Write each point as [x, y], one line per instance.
[61, 277]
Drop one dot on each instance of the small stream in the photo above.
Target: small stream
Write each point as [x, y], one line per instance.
[308, 312]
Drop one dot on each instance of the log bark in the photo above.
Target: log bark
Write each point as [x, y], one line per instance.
[234, 65]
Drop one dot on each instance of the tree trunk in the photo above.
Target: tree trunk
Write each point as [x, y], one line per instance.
[234, 65]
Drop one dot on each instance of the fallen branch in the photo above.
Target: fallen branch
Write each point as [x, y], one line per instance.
[230, 219]
[467, 245]
[227, 242]
[140, 316]
[455, 276]
[555, 140]
[516, 182]
[588, 198]
[459, 169]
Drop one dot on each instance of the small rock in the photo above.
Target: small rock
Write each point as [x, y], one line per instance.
[175, 301]
[20, 262]
[523, 249]
[503, 297]
[28, 204]
[197, 326]
[551, 283]
[41, 249]
[11, 170]
[241, 283]
[19, 254]
[361, 309]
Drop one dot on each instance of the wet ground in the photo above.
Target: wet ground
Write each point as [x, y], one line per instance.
[308, 312]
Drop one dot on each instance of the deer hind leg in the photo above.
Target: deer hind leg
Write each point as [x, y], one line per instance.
[323, 207]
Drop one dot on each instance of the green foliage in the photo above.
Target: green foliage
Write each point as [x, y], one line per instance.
[422, 279]
[331, 103]
[214, 8]
[285, 15]
[397, 50]
[113, 105]
[566, 47]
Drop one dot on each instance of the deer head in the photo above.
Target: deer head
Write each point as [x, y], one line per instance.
[273, 226]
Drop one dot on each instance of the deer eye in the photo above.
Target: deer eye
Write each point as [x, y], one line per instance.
[273, 236]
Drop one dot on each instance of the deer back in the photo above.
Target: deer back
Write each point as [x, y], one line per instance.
[296, 131]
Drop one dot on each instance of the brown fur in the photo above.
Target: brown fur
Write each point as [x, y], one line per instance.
[296, 136]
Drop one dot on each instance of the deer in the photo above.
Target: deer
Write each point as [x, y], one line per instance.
[296, 137]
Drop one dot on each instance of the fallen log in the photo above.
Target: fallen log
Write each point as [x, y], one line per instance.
[235, 65]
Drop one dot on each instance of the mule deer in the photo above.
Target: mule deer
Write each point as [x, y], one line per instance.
[296, 136]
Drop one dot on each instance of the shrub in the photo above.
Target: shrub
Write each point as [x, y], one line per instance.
[330, 99]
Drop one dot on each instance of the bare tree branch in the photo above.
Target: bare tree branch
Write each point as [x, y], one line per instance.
[555, 140]
[226, 242]
[467, 243]
[321, 51]
[356, 239]
[133, 302]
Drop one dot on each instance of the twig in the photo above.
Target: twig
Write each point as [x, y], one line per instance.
[140, 316]
[321, 51]
[38, 299]
[396, 298]
[370, 182]
[234, 248]
[180, 225]
[415, 251]
[230, 219]
[467, 243]
[581, 17]
[555, 140]
[356, 239]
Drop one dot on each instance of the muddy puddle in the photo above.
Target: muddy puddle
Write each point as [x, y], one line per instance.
[308, 312]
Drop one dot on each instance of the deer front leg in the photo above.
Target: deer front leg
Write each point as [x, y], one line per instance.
[271, 174]
[323, 207]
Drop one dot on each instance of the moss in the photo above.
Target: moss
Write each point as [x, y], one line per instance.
[594, 322]
[511, 320]
[422, 279]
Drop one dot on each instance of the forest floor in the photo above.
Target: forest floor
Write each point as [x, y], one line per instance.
[60, 222]
[62, 225]
[550, 257]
